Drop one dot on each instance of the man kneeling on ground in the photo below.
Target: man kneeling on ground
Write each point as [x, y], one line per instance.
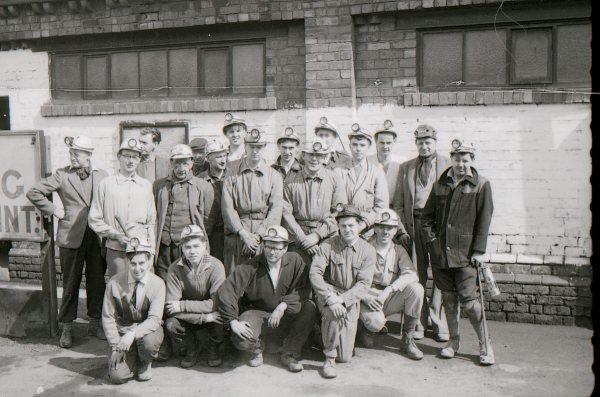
[270, 290]
[132, 312]
[192, 283]
[395, 287]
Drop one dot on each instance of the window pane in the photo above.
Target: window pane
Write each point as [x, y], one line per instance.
[531, 56]
[153, 73]
[248, 69]
[214, 70]
[183, 72]
[124, 74]
[485, 57]
[574, 53]
[441, 58]
[67, 77]
[96, 77]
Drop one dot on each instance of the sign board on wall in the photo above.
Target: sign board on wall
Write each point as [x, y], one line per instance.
[22, 163]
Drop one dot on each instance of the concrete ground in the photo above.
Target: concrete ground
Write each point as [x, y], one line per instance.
[532, 360]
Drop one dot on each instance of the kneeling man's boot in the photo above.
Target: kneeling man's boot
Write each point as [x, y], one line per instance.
[66, 338]
[409, 347]
[292, 364]
[328, 369]
[256, 360]
[214, 355]
[367, 338]
[144, 370]
[451, 348]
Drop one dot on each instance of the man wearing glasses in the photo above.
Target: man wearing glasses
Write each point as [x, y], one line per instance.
[122, 205]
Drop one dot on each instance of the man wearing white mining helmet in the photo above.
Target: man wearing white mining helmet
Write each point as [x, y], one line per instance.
[395, 287]
[132, 315]
[123, 204]
[329, 133]
[77, 242]
[252, 200]
[286, 163]
[235, 129]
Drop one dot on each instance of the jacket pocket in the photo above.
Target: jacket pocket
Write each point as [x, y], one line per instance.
[464, 248]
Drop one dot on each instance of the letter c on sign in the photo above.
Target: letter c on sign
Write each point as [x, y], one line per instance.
[19, 188]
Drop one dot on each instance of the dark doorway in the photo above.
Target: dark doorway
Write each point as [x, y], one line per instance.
[4, 113]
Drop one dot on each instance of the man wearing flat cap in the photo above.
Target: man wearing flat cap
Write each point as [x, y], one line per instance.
[456, 223]
[132, 315]
[217, 151]
[329, 133]
[181, 200]
[415, 182]
[123, 204]
[151, 166]
[269, 293]
[192, 284]
[198, 146]
[365, 181]
[286, 163]
[77, 242]
[235, 129]
[341, 274]
[310, 199]
[252, 200]
[395, 288]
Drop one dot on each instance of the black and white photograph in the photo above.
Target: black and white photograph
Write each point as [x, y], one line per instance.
[296, 198]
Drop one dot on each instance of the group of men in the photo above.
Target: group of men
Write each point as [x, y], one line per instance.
[214, 242]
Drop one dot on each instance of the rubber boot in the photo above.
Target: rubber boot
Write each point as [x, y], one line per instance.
[66, 337]
[214, 354]
[475, 313]
[366, 337]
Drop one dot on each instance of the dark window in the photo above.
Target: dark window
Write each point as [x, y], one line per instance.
[504, 56]
[157, 72]
[4, 113]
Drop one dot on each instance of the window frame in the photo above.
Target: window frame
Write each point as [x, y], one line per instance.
[511, 81]
[199, 92]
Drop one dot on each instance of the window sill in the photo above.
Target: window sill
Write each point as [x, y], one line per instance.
[97, 108]
[508, 97]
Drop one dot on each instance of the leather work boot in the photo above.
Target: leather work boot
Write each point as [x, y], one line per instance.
[328, 371]
[66, 339]
[191, 355]
[95, 329]
[441, 337]
[451, 348]
[214, 357]
[486, 354]
[367, 338]
[144, 371]
[165, 351]
[256, 360]
[409, 347]
[419, 332]
[289, 361]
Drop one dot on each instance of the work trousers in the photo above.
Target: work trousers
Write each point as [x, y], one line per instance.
[408, 301]
[232, 252]
[181, 331]
[432, 309]
[72, 262]
[294, 328]
[216, 239]
[116, 261]
[339, 334]
[167, 254]
[142, 350]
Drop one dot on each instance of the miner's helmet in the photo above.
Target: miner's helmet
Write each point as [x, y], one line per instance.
[217, 146]
[231, 120]
[192, 231]
[346, 211]
[325, 124]
[80, 142]
[387, 128]
[181, 151]
[130, 144]
[276, 233]
[425, 131]
[139, 244]
[255, 137]
[359, 132]
[387, 217]
[316, 146]
[461, 147]
[290, 135]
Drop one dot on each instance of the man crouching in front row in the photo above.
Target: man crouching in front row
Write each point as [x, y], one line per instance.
[132, 314]
[270, 290]
[395, 287]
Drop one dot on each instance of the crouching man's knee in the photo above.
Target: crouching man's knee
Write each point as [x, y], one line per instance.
[373, 320]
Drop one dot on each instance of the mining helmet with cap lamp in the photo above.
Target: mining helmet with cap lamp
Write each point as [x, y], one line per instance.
[80, 142]
[387, 128]
[359, 132]
[255, 137]
[324, 124]
[346, 211]
[192, 231]
[216, 146]
[387, 217]
[459, 147]
[231, 120]
[316, 146]
[425, 131]
[290, 135]
[181, 151]
[136, 244]
[277, 234]
[130, 144]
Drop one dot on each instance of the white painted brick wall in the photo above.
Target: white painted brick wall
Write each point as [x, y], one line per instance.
[537, 157]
